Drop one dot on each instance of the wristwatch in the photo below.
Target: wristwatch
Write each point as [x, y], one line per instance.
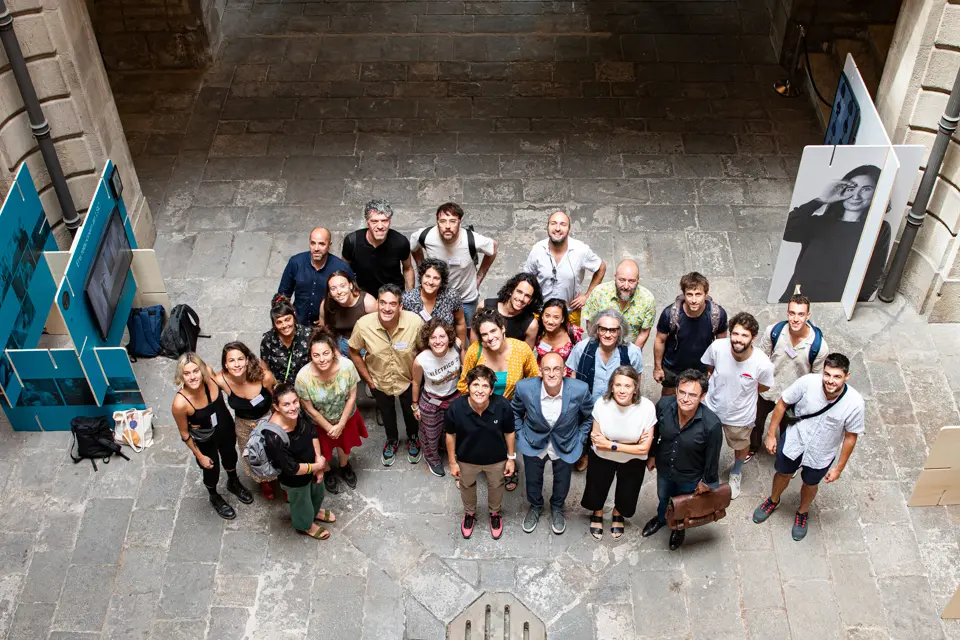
[613, 445]
[511, 457]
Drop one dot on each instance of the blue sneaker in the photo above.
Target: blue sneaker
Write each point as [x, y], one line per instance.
[389, 455]
[414, 452]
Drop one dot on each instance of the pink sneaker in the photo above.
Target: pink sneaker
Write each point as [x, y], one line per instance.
[496, 526]
[466, 525]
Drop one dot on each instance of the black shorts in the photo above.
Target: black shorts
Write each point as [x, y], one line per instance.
[788, 467]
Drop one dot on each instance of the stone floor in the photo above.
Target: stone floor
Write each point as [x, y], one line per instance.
[654, 124]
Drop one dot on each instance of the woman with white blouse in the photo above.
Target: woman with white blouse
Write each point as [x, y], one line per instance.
[623, 423]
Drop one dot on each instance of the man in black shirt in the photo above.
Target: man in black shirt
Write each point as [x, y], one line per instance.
[480, 437]
[378, 254]
[685, 330]
[686, 449]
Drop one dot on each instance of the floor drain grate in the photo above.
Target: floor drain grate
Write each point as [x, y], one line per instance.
[496, 616]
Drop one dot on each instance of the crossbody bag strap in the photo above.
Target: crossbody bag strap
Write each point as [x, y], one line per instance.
[826, 408]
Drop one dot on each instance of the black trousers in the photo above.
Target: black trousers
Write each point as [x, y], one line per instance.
[388, 409]
[764, 409]
[600, 475]
[222, 449]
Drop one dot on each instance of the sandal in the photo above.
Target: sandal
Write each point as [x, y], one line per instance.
[328, 516]
[616, 531]
[512, 481]
[321, 533]
[596, 527]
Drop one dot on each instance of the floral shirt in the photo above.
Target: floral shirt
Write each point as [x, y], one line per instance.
[328, 397]
[576, 334]
[284, 365]
[447, 304]
[641, 311]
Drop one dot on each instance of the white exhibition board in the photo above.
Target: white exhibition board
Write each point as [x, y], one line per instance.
[868, 239]
[813, 221]
[871, 130]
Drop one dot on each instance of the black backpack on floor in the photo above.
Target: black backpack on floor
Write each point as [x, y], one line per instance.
[181, 332]
[93, 440]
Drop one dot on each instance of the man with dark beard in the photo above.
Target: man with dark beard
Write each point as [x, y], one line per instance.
[738, 373]
[560, 262]
[625, 295]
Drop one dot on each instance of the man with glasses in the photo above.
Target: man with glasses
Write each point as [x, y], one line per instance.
[594, 360]
[625, 295]
[560, 263]
[553, 415]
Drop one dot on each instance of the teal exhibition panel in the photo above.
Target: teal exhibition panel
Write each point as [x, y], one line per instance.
[87, 292]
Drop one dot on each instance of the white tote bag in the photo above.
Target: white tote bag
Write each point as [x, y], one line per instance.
[134, 428]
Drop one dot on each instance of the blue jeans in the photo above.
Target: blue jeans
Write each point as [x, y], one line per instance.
[668, 488]
[344, 346]
[469, 308]
[533, 468]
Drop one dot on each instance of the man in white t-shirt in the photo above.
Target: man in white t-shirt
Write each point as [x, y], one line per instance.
[560, 262]
[738, 374]
[458, 247]
[831, 418]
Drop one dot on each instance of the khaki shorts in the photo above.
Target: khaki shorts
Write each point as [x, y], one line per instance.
[737, 437]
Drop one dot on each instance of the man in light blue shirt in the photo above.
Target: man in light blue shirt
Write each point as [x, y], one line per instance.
[596, 358]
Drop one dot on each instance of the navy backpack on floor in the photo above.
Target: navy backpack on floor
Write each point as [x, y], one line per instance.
[145, 326]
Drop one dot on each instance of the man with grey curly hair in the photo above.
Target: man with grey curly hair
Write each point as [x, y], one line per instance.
[595, 359]
[378, 254]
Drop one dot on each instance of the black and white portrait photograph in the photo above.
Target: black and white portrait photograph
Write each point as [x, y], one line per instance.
[827, 217]
[40, 392]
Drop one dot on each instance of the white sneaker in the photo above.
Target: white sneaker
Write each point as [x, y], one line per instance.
[734, 481]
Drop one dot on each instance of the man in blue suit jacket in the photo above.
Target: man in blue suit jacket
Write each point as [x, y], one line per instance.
[552, 416]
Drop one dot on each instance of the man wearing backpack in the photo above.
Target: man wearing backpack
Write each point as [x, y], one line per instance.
[685, 330]
[794, 353]
[460, 247]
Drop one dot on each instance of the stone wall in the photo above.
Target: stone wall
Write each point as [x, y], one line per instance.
[151, 34]
[57, 40]
[920, 71]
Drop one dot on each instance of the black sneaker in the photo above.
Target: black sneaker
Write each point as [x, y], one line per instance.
[242, 493]
[223, 509]
[437, 469]
[349, 475]
[331, 482]
[799, 526]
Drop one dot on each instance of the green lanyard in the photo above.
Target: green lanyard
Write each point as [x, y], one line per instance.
[289, 360]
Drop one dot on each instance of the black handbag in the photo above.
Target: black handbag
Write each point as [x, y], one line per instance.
[790, 417]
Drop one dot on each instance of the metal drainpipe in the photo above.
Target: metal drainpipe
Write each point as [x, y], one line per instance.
[948, 125]
[38, 123]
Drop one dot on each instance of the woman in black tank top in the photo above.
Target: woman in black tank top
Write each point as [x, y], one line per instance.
[208, 430]
[518, 301]
[344, 304]
[248, 386]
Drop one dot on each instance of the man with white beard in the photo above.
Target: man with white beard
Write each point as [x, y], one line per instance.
[625, 295]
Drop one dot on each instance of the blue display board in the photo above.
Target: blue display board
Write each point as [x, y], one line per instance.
[44, 388]
[845, 116]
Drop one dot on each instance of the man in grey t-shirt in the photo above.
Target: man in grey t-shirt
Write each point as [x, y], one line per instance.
[830, 416]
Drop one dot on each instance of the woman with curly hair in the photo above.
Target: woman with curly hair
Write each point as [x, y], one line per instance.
[438, 365]
[434, 299]
[283, 348]
[248, 386]
[555, 333]
[518, 301]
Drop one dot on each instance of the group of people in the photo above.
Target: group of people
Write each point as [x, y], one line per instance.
[548, 370]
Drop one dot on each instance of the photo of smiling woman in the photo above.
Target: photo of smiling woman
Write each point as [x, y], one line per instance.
[828, 230]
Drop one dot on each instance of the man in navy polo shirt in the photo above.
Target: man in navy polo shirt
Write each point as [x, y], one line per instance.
[305, 277]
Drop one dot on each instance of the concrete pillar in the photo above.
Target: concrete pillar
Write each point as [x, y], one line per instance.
[57, 38]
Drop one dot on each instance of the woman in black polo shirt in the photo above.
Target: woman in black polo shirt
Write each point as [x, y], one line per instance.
[480, 437]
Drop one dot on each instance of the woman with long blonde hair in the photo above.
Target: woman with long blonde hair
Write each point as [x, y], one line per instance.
[208, 430]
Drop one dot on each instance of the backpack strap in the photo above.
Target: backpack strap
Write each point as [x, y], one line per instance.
[587, 367]
[472, 243]
[277, 429]
[422, 240]
[714, 310]
[624, 355]
[775, 333]
[817, 344]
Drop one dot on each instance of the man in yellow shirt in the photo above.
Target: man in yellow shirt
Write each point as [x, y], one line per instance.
[389, 338]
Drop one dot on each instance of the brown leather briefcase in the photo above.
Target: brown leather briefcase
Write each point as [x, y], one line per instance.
[685, 512]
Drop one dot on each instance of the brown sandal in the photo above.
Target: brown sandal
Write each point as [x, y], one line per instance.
[321, 533]
[328, 516]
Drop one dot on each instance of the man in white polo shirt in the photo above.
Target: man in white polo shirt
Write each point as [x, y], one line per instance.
[738, 373]
[460, 248]
[560, 262]
[827, 416]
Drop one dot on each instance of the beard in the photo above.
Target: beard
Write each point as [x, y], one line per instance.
[556, 242]
[738, 348]
[624, 296]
